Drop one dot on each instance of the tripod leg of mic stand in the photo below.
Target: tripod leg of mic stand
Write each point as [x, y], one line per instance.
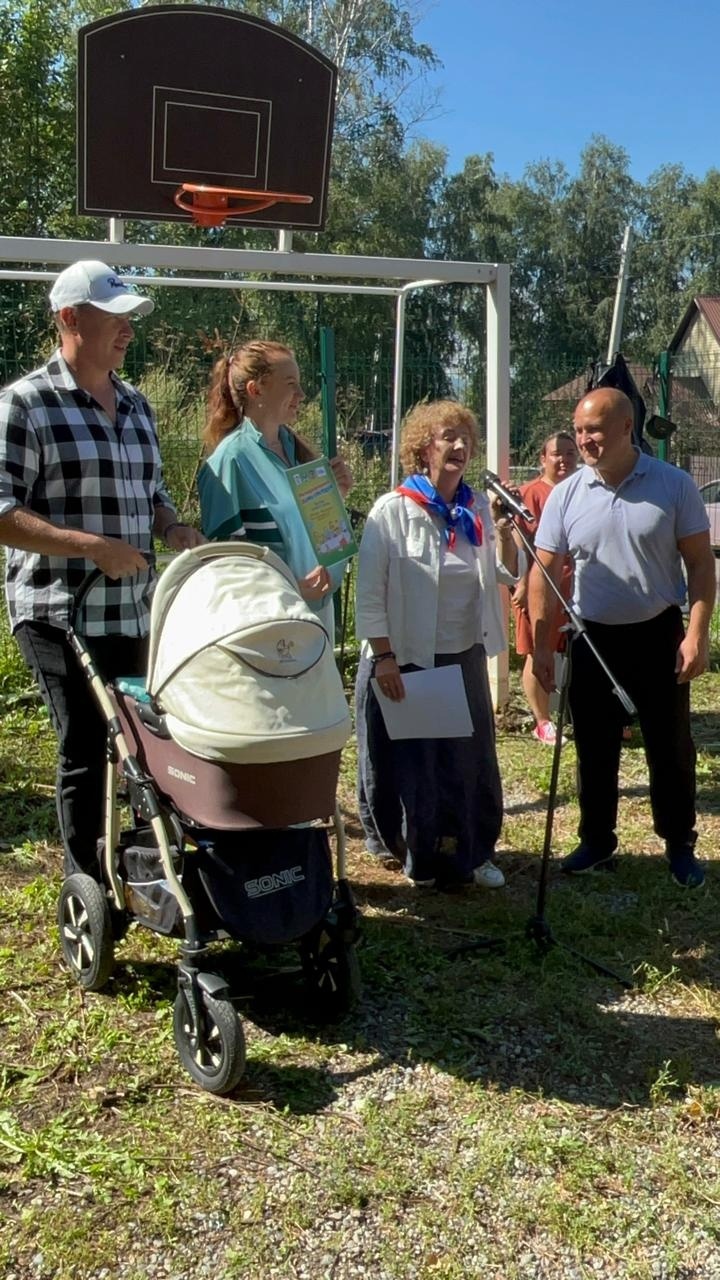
[477, 944]
[537, 926]
[604, 969]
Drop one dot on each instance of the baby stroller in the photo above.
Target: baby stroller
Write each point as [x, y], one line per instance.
[228, 755]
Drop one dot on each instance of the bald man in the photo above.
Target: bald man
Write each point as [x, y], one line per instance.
[631, 523]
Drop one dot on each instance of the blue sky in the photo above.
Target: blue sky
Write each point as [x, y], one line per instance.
[534, 79]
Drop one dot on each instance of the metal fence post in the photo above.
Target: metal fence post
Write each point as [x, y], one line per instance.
[498, 433]
[328, 389]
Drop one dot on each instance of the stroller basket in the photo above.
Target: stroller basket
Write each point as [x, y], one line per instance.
[252, 886]
[148, 896]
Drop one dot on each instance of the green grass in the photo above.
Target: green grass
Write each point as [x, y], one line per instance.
[507, 1114]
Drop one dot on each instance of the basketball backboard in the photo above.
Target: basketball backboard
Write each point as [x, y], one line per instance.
[174, 94]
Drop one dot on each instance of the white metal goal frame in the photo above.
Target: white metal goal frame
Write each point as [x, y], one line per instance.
[229, 268]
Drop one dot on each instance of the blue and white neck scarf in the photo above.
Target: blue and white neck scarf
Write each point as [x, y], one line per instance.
[455, 515]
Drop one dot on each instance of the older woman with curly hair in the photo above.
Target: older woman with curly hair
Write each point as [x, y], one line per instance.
[432, 555]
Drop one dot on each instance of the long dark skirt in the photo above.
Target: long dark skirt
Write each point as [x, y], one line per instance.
[434, 803]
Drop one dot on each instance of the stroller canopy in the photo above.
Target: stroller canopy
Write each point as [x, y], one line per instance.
[239, 663]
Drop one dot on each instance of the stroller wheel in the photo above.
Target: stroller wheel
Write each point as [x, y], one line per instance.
[332, 974]
[86, 935]
[216, 1058]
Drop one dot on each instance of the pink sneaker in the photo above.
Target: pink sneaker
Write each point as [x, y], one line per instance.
[545, 733]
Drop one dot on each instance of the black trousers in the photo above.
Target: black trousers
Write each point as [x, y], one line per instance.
[79, 725]
[642, 658]
[435, 803]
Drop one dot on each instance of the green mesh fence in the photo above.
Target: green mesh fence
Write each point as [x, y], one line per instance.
[175, 348]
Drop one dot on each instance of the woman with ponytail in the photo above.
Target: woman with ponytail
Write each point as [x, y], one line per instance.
[253, 401]
[431, 556]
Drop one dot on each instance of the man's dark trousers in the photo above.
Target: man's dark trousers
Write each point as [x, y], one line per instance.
[642, 658]
[79, 725]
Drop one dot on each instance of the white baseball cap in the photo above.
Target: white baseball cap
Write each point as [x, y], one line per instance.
[96, 283]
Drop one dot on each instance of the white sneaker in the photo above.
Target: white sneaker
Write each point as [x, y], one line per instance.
[420, 884]
[489, 876]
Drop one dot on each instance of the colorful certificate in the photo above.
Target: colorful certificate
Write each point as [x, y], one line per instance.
[323, 511]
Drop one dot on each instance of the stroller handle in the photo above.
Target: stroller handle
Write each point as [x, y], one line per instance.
[208, 551]
[90, 580]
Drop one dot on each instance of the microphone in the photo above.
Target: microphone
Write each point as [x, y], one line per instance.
[494, 484]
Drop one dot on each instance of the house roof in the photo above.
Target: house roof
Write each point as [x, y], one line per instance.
[576, 387]
[689, 390]
[705, 304]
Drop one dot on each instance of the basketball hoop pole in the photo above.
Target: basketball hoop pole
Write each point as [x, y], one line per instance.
[497, 409]
[398, 377]
[399, 371]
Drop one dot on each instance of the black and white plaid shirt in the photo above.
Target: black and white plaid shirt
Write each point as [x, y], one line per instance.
[61, 457]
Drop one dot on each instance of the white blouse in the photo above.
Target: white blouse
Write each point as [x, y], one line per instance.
[399, 580]
[457, 598]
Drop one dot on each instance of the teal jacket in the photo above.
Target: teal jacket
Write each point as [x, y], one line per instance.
[244, 492]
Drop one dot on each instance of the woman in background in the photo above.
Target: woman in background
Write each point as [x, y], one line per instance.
[431, 556]
[558, 459]
[253, 402]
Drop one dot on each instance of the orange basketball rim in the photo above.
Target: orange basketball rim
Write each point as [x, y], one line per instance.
[212, 206]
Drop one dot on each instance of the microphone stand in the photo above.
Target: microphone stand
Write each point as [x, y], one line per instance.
[537, 927]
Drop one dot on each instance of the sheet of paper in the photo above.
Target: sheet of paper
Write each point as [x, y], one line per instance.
[435, 705]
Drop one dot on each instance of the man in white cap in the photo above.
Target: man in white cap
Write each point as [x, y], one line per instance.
[81, 486]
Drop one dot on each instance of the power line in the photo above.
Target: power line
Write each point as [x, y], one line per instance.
[703, 235]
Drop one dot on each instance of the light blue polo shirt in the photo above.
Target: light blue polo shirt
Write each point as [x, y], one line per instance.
[624, 541]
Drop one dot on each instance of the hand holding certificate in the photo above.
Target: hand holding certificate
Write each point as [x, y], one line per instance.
[316, 493]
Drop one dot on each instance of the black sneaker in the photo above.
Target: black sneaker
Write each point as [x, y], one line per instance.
[685, 868]
[583, 859]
